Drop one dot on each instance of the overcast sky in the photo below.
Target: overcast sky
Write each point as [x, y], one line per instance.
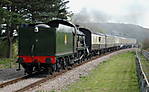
[121, 11]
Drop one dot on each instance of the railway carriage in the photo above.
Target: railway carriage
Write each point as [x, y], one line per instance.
[117, 42]
[110, 42]
[130, 42]
[133, 42]
[94, 41]
[98, 41]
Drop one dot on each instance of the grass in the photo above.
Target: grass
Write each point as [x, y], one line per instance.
[8, 63]
[117, 74]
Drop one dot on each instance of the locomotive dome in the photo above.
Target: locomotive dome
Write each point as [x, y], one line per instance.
[42, 25]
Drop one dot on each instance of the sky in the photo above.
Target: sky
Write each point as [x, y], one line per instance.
[118, 11]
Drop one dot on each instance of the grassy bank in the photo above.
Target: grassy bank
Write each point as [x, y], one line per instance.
[145, 65]
[8, 63]
[117, 74]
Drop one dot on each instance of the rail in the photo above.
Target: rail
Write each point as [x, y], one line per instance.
[142, 79]
[146, 54]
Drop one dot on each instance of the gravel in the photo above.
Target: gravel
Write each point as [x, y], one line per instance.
[62, 81]
[21, 84]
[10, 74]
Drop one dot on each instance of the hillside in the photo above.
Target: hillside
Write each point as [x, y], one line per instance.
[125, 30]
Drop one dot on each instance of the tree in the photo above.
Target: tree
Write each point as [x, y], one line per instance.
[146, 44]
[10, 18]
[44, 10]
[13, 12]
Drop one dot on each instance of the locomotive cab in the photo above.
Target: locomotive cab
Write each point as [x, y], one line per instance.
[80, 40]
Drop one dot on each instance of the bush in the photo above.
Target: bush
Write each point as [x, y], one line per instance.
[146, 44]
[4, 49]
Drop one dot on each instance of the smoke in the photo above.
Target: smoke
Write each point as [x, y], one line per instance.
[130, 14]
[113, 11]
[90, 16]
[90, 19]
[134, 13]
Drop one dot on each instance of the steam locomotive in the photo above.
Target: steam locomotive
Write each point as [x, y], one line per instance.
[59, 44]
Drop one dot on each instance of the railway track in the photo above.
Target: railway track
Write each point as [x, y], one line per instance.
[37, 82]
[13, 81]
[56, 74]
[7, 83]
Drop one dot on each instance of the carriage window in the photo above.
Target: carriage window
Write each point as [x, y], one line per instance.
[99, 39]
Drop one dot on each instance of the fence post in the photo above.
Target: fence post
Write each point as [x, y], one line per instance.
[142, 79]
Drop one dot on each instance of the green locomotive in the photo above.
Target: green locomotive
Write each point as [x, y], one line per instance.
[50, 46]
